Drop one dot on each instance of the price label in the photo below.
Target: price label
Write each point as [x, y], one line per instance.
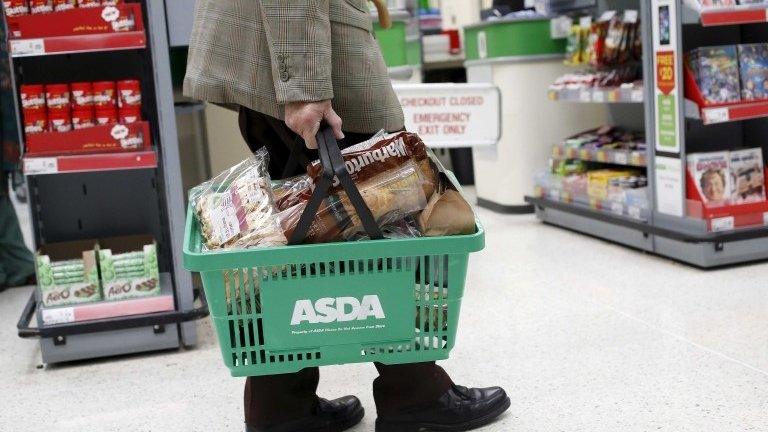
[27, 47]
[634, 212]
[636, 95]
[37, 166]
[58, 316]
[620, 158]
[617, 208]
[598, 96]
[637, 159]
[723, 224]
[585, 96]
[716, 115]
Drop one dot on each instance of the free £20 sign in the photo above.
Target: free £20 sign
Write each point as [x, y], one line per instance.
[452, 115]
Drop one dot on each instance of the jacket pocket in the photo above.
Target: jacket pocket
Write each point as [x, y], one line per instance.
[351, 12]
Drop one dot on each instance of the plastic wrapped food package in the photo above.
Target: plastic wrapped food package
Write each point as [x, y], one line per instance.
[395, 174]
[392, 196]
[236, 209]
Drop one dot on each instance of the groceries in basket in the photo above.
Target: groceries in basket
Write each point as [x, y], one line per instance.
[398, 178]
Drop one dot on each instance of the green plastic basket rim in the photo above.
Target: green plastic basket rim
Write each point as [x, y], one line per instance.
[197, 260]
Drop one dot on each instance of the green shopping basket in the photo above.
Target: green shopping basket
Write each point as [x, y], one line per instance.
[281, 309]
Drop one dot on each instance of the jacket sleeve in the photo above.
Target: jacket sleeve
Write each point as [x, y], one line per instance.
[299, 37]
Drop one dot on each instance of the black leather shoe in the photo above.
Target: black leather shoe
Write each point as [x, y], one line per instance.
[460, 409]
[330, 416]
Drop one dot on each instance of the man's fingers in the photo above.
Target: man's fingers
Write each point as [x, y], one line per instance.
[310, 135]
[334, 121]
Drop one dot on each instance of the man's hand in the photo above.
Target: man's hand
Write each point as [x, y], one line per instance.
[305, 118]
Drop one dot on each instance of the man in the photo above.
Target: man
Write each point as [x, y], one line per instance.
[17, 266]
[291, 65]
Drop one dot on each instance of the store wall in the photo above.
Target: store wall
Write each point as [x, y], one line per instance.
[225, 143]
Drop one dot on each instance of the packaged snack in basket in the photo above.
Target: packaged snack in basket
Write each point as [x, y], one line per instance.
[392, 195]
[711, 172]
[717, 73]
[748, 176]
[379, 154]
[753, 64]
[236, 209]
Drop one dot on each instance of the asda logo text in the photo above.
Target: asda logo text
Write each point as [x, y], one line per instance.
[342, 309]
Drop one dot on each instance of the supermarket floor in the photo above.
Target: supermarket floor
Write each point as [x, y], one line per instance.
[584, 335]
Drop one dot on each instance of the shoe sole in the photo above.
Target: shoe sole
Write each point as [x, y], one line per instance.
[384, 426]
[350, 422]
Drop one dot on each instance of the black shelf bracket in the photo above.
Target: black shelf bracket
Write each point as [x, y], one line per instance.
[59, 332]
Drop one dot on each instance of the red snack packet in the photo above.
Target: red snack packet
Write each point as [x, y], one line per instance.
[104, 94]
[106, 115]
[129, 93]
[35, 121]
[62, 5]
[32, 97]
[83, 118]
[57, 96]
[16, 7]
[82, 95]
[40, 6]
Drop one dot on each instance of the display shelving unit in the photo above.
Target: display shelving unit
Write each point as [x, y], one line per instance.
[82, 196]
[679, 227]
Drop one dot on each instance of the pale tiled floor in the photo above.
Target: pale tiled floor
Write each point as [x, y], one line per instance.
[585, 336]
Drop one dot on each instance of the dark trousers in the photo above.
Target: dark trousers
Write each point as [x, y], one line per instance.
[273, 399]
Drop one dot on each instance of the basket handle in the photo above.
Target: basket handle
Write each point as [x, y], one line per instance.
[333, 167]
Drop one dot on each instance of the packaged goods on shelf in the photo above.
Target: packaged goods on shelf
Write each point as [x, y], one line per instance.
[728, 178]
[753, 65]
[79, 105]
[748, 176]
[67, 273]
[628, 199]
[716, 70]
[712, 174]
[607, 137]
[601, 181]
[612, 40]
[24, 7]
[129, 267]
[397, 178]
[704, 4]
[15, 7]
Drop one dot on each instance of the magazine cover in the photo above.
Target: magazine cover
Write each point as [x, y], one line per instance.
[753, 64]
[748, 176]
[712, 175]
[717, 73]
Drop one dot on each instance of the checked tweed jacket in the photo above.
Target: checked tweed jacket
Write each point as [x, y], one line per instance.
[262, 54]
